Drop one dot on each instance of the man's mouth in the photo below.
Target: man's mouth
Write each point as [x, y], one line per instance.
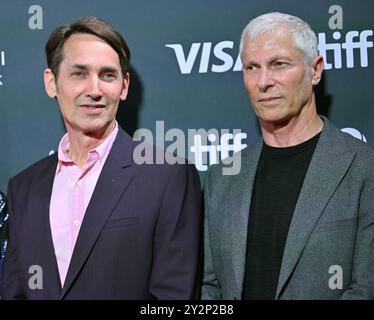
[266, 99]
[92, 108]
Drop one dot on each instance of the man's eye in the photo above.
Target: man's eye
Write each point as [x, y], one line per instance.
[280, 64]
[109, 76]
[78, 74]
[251, 68]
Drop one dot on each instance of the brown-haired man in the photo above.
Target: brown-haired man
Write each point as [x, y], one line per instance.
[88, 222]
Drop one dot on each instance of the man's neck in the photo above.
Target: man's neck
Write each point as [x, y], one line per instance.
[81, 143]
[294, 131]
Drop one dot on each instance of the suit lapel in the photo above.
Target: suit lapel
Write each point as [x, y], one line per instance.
[238, 206]
[329, 163]
[39, 202]
[111, 184]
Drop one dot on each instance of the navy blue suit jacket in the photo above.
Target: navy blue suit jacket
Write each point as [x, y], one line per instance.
[139, 238]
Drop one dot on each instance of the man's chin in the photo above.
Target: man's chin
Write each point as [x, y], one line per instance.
[277, 119]
[95, 130]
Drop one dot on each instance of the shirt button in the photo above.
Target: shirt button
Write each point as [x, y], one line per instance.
[76, 223]
[79, 182]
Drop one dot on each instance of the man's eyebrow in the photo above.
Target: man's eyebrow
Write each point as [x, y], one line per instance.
[279, 57]
[109, 69]
[102, 69]
[80, 66]
[269, 60]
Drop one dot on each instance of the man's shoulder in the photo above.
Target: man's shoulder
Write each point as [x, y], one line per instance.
[362, 153]
[36, 169]
[163, 163]
[361, 148]
[145, 156]
[245, 154]
[357, 145]
[336, 136]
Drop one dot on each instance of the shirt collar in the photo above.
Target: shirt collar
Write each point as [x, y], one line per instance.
[102, 150]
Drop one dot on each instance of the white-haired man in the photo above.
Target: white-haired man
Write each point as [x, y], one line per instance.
[298, 220]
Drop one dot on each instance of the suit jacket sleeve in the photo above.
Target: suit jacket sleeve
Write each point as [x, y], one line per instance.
[210, 287]
[362, 283]
[175, 268]
[10, 285]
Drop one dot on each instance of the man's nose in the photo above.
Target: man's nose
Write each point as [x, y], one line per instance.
[94, 88]
[266, 79]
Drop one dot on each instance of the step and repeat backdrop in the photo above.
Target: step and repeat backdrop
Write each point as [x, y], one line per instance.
[186, 72]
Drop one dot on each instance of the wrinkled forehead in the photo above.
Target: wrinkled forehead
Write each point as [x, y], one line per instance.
[89, 49]
[270, 39]
[271, 43]
[81, 41]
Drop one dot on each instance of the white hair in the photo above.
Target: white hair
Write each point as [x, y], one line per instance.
[304, 38]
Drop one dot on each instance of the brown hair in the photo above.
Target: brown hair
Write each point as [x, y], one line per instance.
[54, 49]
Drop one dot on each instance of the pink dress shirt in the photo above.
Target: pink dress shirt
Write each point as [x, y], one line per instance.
[71, 193]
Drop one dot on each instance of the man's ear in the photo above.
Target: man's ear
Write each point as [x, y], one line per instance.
[317, 69]
[50, 83]
[126, 83]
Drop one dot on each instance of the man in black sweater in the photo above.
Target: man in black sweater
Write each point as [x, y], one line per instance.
[297, 222]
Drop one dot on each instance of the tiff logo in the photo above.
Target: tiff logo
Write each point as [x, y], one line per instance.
[2, 63]
[202, 149]
[353, 40]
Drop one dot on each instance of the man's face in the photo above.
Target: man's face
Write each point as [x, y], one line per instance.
[274, 75]
[89, 86]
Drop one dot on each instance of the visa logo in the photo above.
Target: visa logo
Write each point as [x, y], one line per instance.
[222, 51]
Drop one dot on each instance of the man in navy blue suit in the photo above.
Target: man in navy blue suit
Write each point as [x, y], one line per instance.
[90, 222]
